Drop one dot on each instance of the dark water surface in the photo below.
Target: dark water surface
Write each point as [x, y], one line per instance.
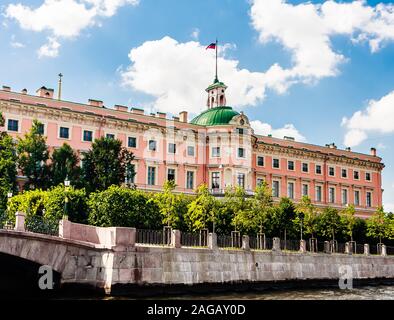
[381, 292]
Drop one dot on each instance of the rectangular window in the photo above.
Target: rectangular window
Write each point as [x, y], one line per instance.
[356, 175]
[190, 151]
[357, 198]
[259, 181]
[87, 135]
[290, 165]
[241, 153]
[240, 131]
[110, 136]
[190, 180]
[132, 142]
[40, 128]
[369, 199]
[130, 174]
[13, 125]
[64, 133]
[344, 173]
[216, 180]
[215, 151]
[305, 167]
[331, 171]
[344, 196]
[305, 190]
[151, 176]
[318, 193]
[260, 161]
[318, 169]
[275, 189]
[171, 174]
[290, 190]
[275, 163]
[241, 180]
[152, 145]
[367, 176]
[172, 148]
[331, 195]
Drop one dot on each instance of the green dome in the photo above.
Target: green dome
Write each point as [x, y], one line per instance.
[215, 116]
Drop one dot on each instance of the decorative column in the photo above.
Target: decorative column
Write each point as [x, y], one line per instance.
[276, 245]
[366, 249]
[176, 239]
[212, 241]
[384, 250]
[20, 221]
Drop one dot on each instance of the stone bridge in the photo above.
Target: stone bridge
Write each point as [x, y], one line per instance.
[109, 261]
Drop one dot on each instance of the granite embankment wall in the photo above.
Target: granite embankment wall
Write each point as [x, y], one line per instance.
[108, 259]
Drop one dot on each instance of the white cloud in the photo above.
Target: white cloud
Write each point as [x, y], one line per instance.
[176, 75]
[50, 49]
[16, 44]
[64, 18]
[376, 118]
[195, 33]
[306, 30]
[288, 130]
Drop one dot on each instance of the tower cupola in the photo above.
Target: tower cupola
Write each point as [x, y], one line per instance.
[216, 94]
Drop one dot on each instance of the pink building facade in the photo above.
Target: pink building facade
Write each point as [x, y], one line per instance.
[218, 148]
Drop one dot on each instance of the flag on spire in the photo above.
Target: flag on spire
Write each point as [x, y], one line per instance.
[211, 46]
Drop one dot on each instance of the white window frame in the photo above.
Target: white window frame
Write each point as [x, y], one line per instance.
[366, 199]
[147, 174]
[359, 198]
[307, 189]
[321, 193]
[257, 161]
[370, 176]
[69, 132]
[194, 179]
[175, 173]
[219, 154]
[108, 132]
[15, 119]
[244, 150]
[187, 151]
[277, 168]
[329, 194]
[136, 142]
[354, 171]
[321, 169]
[168, 148]
[275, 180]
[220, 179]
[82, 135]
[148, 145]
[293, 189]
[302, 167]
[328, 171]
[347, 196]
[347, 173]
[294, 165]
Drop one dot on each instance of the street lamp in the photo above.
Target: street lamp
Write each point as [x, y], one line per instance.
[66, 185]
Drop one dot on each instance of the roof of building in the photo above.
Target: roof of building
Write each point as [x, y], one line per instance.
[215, 116]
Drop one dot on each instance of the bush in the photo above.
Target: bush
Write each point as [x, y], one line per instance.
[50, 204]
[122, 207]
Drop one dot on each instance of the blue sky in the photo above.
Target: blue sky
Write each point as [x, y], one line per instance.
[151, 53]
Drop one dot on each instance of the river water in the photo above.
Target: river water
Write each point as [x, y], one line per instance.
[361, 293]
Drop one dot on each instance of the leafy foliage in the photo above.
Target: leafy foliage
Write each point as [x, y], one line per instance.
[64, 164]
[123, 207]
[349, 220]
[105, 164]
[378, 226]
[236, 201]
[32, 158]
[283, 216]
[329, 222]
[306, 212]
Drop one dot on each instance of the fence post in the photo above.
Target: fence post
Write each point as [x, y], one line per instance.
[347, 248]
[176, 239]
[245, 243]
[212, 241]
[327, 247]
[302, 246]
[384, 250]
[276, 244]
[20, 221]
[366, 249]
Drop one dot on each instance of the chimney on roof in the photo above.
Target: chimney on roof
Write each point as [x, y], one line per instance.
[175, 118]
[45, 92]
[7, 88]
[24, 91]
[373, 152]
[331, 146]
[161, 115]
[348, 149]
[121, 108]
[96, 103]
[289, 138]
[183, 116]
[137, 111]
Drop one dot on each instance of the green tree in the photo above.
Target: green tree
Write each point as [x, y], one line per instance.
[235, 200]
[329, 222]
[306, 214]
[349, 220]
[8, 171]
[202, 210]
[105, 164]
[378, 225]
[261, 207]
[32, 158]
[168, 202]
[64, 164]
[123, 207]
[283, 216]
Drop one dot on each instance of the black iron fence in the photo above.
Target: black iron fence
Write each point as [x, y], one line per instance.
[154, 237]
[198, 239]
[38, 224]
[232, 241]
[290, 245]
